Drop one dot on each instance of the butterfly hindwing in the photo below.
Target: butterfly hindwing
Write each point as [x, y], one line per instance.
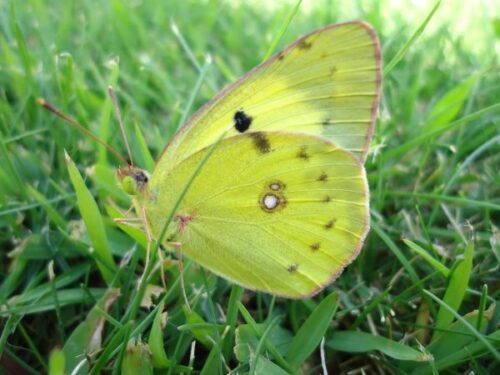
[327, 83]
[278, 212]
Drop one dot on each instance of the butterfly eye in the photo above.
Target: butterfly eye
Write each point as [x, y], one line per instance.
[129, 185]
[141, 177]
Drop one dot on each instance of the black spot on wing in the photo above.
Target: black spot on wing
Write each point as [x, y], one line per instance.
[242, 121]
[327, 199]
[281, 55]
[261, 142]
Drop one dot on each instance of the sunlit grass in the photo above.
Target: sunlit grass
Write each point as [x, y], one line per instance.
[420, 297]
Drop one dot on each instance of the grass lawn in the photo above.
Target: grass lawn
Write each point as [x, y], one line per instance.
[419, 299]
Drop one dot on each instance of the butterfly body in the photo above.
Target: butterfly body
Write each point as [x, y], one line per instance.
[281, 204]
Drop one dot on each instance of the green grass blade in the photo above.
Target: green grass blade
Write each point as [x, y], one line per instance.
[112, 347]
[57, 362]
[54, 216]
[466, 324]
[149, 162]
[310, 334]
[467, 353]
[450, 105]
[458, 335]
[262, 344]
[189, 52]
[402, 52]
[447, 199]
[455, 290]
[65, 297]
[397, 252]
[482, 307]
[231, 319]
[362, 342]
[282, 30]
[429, 258]
[106, 113]
[137, 359]
[423, 138]
[265, 366]
[195, 91]
[93, 222]
[269, 345]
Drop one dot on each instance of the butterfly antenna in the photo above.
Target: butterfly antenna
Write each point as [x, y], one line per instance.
[43, 103]
[112, 95]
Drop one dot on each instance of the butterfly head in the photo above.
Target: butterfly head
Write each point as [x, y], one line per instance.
[133, 180]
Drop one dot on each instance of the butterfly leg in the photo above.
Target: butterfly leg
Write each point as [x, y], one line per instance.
[178, 246]
[144, 220]
[128, 220]
[149, 240]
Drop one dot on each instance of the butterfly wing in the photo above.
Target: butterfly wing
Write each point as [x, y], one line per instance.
[278, 212]
[327, 83]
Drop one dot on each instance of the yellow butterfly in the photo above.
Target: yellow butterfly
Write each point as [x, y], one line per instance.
[281, 204]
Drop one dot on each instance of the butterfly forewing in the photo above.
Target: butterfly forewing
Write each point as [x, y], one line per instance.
[326, 83]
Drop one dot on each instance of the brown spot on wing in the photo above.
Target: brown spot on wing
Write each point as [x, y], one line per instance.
[315, 246]
[302, 154]
[304, 45]
[330, 224]
[323, 177]
[183, 221]
[261, 142]
[326, 121]
[293, 267]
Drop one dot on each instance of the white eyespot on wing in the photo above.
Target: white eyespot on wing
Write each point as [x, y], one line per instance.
[275, 186]
[270, 201]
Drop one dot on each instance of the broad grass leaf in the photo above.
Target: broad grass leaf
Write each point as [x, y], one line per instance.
[458, 335]
[160, 359]
[137, 359]
[361, 342]
[265, 366]
[466, 353]
[87, 336]
[57, 362]
[450, 105]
